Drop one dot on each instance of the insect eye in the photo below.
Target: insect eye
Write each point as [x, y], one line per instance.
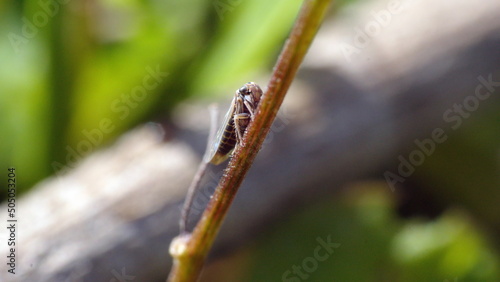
[244, 90]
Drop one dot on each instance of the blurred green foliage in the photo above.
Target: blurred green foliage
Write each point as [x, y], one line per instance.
[74, 75]
[374, 244]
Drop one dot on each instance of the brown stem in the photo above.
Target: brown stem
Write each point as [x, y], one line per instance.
[189, 250]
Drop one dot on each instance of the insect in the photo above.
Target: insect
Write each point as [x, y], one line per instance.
[239, 115]
[230, 134]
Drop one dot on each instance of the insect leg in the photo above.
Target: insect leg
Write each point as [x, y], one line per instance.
[250, 108]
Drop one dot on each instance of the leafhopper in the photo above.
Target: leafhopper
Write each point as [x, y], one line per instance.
[230, 134]
[239, 115]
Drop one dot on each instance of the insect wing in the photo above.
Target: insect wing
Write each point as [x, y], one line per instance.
[220, 133]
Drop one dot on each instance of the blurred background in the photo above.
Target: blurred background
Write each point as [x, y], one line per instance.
[383, 164]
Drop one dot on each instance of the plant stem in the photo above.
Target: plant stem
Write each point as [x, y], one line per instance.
[190, 250]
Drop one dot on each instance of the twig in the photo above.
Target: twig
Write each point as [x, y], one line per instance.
[189, 250]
